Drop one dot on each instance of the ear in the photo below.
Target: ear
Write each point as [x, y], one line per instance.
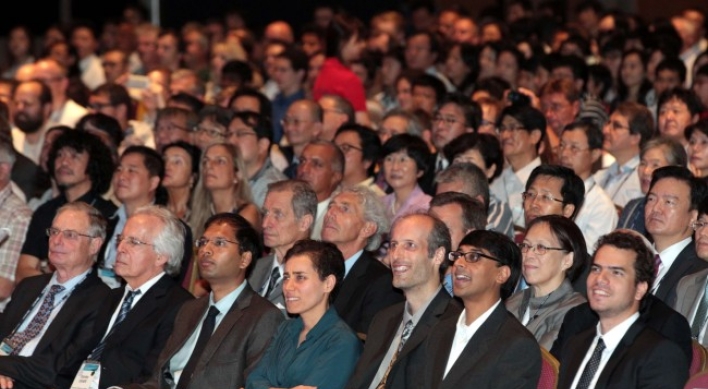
[368, 230]
[263, 146]
[330, 282]
[316, 129]
[470, 130]
[576, 107]
[568, 210]
[635, 139]
[642, 289]
[246, 259]
[95, 246]
[305, 223]
[490, 172]
[535, 136]
[695, 118]
[595, 155]
[439, 256]
[367, 164]
[567, 261]
[122, 111]
[693, 216]
[160, 261]
[154, 183]
[503, 274]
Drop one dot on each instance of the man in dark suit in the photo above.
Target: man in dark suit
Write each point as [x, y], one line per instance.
[485, 346]
[382, 364]
[355, 223]
[47, 328]
[691, 298]
[671, 208]
[289, 213]
[621, 352]
[138, 318]
[218, 339]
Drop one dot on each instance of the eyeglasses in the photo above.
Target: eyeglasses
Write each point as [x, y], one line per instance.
[504, 128]
[99, 106]
[470, 257]
[66, 234]
[295, 122]
[346, 147]
[575, 149]
[217, 242]
[538, 248]
[169, 127]
[449, 121]
[697, 225]
[211, 132]
[545, 197]
[616, 126]
[242, 134]
[131, 241]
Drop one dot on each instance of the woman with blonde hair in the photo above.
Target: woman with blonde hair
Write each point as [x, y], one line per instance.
[222, 187]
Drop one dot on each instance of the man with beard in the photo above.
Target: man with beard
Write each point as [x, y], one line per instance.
[82, 166]
[32, 105]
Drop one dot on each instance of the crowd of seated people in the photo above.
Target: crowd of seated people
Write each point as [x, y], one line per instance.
[431, 198]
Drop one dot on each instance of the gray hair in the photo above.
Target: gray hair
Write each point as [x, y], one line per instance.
[304, 201]
[338, 155]
[97, 223]
[673, 150]
[7, 153]
[170, 238]
[474, 182]
[373, 211]
[413, 126]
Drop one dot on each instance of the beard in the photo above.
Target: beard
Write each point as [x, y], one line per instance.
[28, 124]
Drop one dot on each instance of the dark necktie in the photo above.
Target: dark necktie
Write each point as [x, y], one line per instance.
[407, 330]
[700, 317]
[204, 335]
[657, 264]
[124, 309]
[591, 367]
[20, 339]
[274, 278]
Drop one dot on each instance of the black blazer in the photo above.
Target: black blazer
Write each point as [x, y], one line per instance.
[132, 349]
[642, 359]
[407, 371]
[687, 262]
[365, 291]
[501, 354]
[653, 312]
[67, 341]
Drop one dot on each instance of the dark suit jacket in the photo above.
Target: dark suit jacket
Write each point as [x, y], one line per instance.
[687, 262]
[260, 273]
[238, 343]
[407, 371]
[367, 289]
[67, 341]
[653, 312]
[133, 346]
[501, 354]
[642, 359]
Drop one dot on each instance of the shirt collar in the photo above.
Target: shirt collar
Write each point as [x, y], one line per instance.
[224, 305]
[146, 285]
[669, 255]
[614, 336]
[351, 261]
[415, 318]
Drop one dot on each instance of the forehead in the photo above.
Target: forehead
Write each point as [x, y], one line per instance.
[347, 199]
[220, 229]
[447, 211]
[299, 263]
[576, 135]
[608, 255]
[250, 103]
[452, 109]
[617, 116]
[675, 103]
[398, 123]
[419, 40]
[281, 199]
[28, 89]
[415, 228]
[71, 220]
[547, 183]
[673, 187]
[132, 159]
[217, 151]
[299, 109]
[283, 62]
[321, 152]
[142, 224]
[348, 137]
[555, 98]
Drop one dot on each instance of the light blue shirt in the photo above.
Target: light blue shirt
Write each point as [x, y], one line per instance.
[180, 359]
[351, 261]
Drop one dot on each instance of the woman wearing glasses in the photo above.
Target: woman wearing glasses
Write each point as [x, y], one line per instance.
[553, 253]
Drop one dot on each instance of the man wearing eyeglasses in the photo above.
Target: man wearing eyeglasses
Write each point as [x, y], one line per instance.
[394, 353]
[484, 346]
[252, 134]
[47, 328]
[457, 115]
[219, 337]
[581, 150]
[552, 190]
[136, 320]
[630, 126]
[174, 124]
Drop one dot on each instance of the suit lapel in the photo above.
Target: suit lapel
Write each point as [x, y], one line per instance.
[690, 300]
[189, 317]
[431, 317]
[677, 270]
[619, 353]
[227, 323]
[571, 361]
[442, 353]
[351, 282]
[260, 273]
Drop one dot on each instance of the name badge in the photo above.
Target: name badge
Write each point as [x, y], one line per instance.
[88, 376]
[5, 349]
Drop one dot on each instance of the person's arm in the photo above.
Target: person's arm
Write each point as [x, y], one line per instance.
[27, 266]
[6, 288]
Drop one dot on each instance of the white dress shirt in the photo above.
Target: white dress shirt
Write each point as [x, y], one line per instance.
[464, 333]
[621, 183]
[597, 216]
[668, 256]
[509, 186]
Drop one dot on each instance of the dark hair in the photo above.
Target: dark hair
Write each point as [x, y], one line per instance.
[531, 118]
[602, 75]
[643, 260]
[501, 247]
[674, 65]
[340, 30]
[487, 145]
[430, 81]
[370, 143]
[260, 124]
[639, 119]
[219, 115]
[326, 259]
[263, 101]
[190, 149]
[577, 66]
[117, 95]
[570, 239]
[703, 70]
[495, 86]
[413, 146]
[297, 58]
[592, 132]
[681, 173]
[701, 126]
[247, 237]
[470, 109]
[644, 88]
[100, 162]
[474, 213]
[105, 123]
[573, 189]
[433, 40]
[686, 96]
[237, 72]
[185, 99]
[151, 159]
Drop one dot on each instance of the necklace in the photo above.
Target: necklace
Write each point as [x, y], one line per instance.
[535, 315]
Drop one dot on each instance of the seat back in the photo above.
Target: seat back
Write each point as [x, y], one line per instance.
[700, 356]
[697, 381]
[549, 371]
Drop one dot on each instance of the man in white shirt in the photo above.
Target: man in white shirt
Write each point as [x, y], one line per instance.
[485, 346]
[671, 208]
[32, 105]
[65, 111]
[621, 351]
[321, 166]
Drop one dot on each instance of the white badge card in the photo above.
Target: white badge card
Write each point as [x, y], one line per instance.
[88, 377]
[5, 349]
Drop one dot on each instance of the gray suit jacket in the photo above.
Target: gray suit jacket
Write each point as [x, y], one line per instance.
[236, 346]
[688, 294]
[260, 274]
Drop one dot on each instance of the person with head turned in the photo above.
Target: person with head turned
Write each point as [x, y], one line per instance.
[315, 349]
[484, 346]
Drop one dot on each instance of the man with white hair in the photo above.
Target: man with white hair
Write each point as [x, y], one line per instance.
[355, 222]
[137, 319]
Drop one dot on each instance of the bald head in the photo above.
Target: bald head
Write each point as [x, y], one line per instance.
[279, 31]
